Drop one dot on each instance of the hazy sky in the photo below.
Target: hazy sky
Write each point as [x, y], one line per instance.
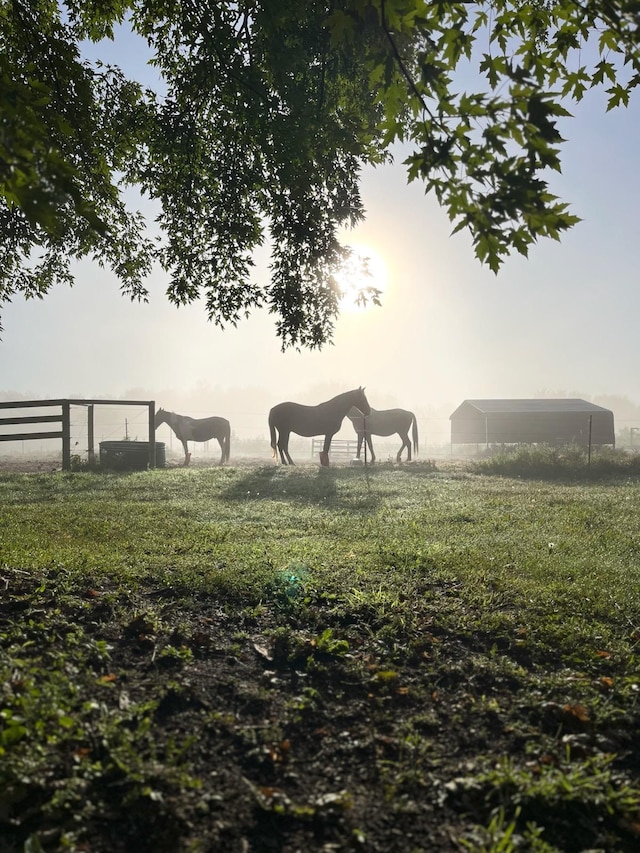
[565, 320]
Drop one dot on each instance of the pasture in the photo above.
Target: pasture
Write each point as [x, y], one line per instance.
[268, 658]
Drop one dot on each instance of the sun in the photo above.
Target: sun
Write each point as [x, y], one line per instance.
[361, 274]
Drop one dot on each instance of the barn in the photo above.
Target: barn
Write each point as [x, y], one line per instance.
[539, 421]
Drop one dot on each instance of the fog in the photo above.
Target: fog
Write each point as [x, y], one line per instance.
[561, 323]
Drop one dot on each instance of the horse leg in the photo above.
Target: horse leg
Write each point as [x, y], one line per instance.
[405, 443]
[283, 447]
[324, 455]
[222, 450]
[370, 443]
[360, 440]
[187, 455]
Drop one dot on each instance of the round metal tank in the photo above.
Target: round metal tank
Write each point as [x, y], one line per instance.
[130, 455]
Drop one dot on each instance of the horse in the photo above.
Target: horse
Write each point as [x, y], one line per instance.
[324, 419]
[197, 429]
[385, 422]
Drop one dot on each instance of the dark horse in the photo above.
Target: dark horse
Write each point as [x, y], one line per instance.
[325, 419]
[198, 429]
[385, 422]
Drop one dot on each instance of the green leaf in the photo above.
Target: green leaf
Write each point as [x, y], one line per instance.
[618, 95]
[265, 115]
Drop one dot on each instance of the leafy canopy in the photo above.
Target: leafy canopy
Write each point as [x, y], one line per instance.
[267, 112]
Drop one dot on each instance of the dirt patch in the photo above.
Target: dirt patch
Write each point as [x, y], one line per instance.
[50, 463]
[30, 464]
[243, 732]
[273, 728]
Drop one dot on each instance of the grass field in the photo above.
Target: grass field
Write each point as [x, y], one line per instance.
[270, 659]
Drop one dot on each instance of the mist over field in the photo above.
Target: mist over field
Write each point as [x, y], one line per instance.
[247, 410]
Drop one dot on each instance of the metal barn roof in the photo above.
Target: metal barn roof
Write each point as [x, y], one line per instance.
[555, 405]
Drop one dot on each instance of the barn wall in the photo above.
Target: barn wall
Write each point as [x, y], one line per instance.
[467, 425]
[468, 428]
[532, 428]
[546, 428]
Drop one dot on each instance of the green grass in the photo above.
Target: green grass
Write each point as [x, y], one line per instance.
[489, 625]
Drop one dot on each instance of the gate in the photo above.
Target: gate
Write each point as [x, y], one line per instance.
[63, 418]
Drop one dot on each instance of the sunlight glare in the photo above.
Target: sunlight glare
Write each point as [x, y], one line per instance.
[365, 269]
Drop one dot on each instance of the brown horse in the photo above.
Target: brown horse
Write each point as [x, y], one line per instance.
[385, 422]
[325, 419]
[198, 429]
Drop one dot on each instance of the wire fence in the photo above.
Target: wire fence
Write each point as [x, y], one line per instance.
[74, 425]
[250, 435]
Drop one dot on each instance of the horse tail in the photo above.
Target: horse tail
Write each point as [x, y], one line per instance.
[272, 430]
[414, 434]
[227, 442]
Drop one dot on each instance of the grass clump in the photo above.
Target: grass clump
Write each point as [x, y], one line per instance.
[557, 463]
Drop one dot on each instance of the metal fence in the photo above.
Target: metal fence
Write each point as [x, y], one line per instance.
[62, 417]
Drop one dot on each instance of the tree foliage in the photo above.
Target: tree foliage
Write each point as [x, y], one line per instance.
[267, 112]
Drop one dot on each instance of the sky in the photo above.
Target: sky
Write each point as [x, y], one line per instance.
[561, 323]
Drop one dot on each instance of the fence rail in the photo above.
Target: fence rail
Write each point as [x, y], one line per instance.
[31, 419]
[341, 447]
[64, 418]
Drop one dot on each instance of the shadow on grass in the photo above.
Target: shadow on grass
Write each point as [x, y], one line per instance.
[561, 475]
[42, 487]
[308, 485]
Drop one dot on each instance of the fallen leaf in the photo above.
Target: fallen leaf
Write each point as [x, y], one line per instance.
[579, 712]
[263, 651]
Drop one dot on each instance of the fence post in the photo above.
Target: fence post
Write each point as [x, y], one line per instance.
[90, 435]
[66, 436]
[152, 434]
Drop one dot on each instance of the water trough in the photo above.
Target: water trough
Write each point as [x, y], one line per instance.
[130, 455]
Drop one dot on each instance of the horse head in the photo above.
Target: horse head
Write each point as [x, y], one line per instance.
[161, 417]
[360, 401]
